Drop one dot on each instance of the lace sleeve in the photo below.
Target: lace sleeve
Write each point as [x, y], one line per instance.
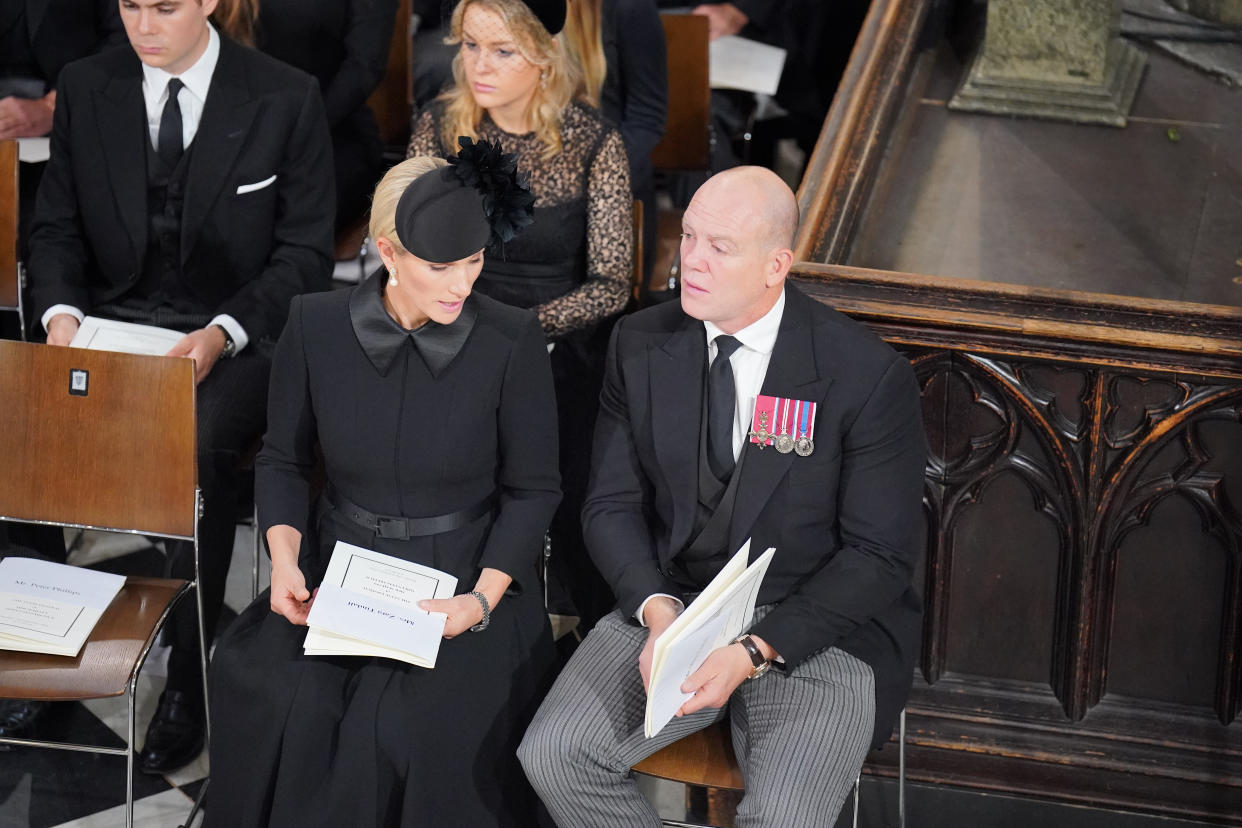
[424, 136]
[610, 247]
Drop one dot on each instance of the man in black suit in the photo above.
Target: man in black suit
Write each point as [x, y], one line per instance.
[702, 443]
[190, 186]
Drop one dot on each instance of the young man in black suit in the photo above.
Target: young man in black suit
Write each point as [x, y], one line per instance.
[686, 467]
[190, 186]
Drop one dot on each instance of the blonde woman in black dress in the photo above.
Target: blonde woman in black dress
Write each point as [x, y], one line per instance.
[515, 85]
[433, 409]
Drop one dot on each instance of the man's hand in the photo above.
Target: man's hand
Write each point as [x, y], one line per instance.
[723, 19]
[714, 682]
[716, 679]
[61, 329]
[204, 346]
[26, 117]
[657, 615]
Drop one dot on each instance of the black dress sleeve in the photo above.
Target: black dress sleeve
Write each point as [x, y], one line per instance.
[643, 69]
[367, 38]
[283, 467]
[529, 478]
[610, 246]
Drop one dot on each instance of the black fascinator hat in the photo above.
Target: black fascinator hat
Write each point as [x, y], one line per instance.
[551, 13]
[476, 201]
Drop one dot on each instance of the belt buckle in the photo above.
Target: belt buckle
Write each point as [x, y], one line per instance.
[392, 528]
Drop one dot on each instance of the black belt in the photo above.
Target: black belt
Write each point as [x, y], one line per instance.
[403, 528]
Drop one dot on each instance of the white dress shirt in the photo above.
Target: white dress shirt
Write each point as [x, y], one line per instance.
[750, 366]
[192, 98]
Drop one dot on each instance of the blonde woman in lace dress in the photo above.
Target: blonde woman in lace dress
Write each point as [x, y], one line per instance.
[515, 86]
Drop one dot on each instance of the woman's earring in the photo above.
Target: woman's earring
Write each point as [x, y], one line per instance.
[392, 276]
[543, 79]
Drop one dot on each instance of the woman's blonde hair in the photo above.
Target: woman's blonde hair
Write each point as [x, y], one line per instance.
[236, 18]
[389, 191]
[560, 79]
[586, 46]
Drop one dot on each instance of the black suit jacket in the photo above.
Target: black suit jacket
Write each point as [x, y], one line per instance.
[64, 30]
[246, 255]
[846, 521]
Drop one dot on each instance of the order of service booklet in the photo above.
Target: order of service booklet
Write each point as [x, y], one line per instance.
[721, 612]
[49, 607]
[367, 605]
[126, 337]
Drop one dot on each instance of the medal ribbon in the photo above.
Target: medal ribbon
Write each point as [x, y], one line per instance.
[763, 405]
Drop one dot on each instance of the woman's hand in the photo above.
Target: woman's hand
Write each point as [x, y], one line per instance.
[464, 611]
[290, 597]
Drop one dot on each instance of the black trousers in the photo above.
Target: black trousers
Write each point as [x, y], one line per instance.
[232, 412]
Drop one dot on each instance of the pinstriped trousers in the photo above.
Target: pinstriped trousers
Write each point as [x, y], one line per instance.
[800, 736]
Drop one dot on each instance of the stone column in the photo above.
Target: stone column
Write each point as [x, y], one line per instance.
[1059, 59]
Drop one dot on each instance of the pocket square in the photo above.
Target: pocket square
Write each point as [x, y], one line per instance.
[258, 185]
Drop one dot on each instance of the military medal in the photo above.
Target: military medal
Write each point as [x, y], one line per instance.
[765, 415]
[805, 444]
[784, 440]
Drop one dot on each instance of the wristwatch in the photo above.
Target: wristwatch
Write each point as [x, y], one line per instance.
[758, 662]
[230, 347]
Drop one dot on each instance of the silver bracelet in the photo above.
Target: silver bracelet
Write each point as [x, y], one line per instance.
[487, 612]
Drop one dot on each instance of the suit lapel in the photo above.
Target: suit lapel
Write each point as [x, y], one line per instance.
[676, 372]
[227, 117]
[121, 117]
[792, 373]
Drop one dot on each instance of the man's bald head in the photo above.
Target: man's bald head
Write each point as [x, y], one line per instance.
[772, 205]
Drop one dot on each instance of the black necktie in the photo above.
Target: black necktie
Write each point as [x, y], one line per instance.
[721, 401]
[170, 127]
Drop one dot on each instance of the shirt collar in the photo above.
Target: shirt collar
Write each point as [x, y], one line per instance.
[759, 335]
[382, 338]
[197, 78]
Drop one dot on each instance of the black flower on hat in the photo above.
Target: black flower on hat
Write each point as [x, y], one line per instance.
[507, 200]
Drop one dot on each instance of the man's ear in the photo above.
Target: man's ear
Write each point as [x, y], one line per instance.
[779, 263]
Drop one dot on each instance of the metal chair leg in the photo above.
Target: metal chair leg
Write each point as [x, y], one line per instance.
[857, 785]
[129, 754]
[901, 770]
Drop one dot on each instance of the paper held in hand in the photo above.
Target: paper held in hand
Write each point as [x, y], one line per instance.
[51, 608]
[97, 334]
[721, 613]
[367, 605]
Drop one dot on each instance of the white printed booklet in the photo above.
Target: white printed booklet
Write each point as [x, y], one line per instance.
[367, 605]
[49, 607]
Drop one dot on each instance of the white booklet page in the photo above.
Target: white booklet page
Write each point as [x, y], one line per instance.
[721, 612]
[126, 337]
[368, 605]
[51, 608]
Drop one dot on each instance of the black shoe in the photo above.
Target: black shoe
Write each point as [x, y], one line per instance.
[175, 737]
[18, 717]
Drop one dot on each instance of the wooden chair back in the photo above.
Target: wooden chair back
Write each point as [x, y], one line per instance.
[9, 283]
[393, 98]
[686, 144]
[94, 438]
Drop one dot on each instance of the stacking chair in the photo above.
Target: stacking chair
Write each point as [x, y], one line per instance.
[10, 264]
[99, 440]
[705, 759]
